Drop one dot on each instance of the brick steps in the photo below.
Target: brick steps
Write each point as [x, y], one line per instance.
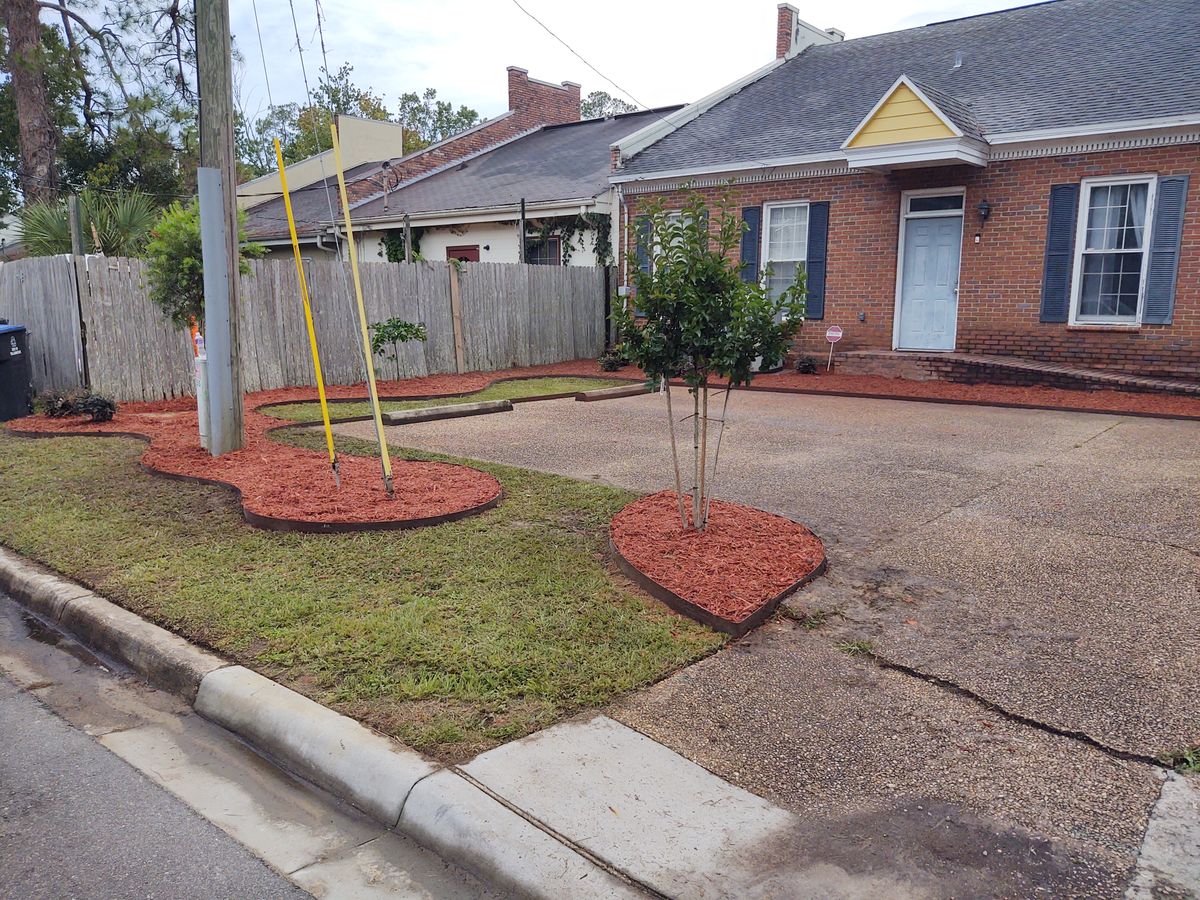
[974, 368]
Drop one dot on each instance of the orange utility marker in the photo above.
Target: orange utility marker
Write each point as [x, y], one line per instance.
[308, 319]
[368, 357]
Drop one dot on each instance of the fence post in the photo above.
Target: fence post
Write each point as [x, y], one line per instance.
[460, 354]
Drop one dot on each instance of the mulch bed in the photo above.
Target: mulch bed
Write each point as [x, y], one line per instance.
[1166, 405]
[288, 487]
[1025, 397]
[732, 575]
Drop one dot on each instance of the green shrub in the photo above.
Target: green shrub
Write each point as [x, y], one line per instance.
[612, 361]
[175, 262]
[806, 365]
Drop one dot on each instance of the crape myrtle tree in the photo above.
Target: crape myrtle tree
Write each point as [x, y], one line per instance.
[700, 321]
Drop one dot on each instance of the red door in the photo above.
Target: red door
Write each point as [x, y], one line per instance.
[466, 254]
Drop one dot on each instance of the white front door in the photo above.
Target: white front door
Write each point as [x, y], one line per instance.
[929, 283]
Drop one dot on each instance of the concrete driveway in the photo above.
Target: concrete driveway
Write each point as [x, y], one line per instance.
[1027, 581]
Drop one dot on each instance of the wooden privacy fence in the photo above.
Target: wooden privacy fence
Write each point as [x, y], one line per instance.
[482, 316]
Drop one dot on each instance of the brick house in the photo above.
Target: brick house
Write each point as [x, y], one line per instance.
[1023, 183]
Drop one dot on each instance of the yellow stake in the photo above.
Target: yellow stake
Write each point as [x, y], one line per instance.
[384, 457]
[308, 319]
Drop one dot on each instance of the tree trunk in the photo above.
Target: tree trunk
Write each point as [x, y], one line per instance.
[702, 507]
[37, 136]
[696, 457]
[675, 457]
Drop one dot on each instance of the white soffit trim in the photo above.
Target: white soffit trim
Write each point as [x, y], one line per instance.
[655, 131]
[566, 207]
[1065, 132]
[921, 95]
[918, 154]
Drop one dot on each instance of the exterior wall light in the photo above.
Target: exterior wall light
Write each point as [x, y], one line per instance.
[985, 210]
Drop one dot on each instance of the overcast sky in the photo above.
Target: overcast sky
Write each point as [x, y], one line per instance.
[659, 51]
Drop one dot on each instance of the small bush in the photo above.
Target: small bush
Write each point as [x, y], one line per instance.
[806, 365]
[60, 404]
[56, 403]
[96, 407]
[612, 361]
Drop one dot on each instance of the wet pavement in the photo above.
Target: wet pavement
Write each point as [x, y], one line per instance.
[1040, 567]
[109, 788]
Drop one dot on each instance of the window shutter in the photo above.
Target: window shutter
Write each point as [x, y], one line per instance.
[814, 265]
[1164, 249]
[643, 244]
[751, 241]
[1060, 245]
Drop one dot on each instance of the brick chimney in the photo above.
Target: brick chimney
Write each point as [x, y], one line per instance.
[532, 104]
[540, 102]
[793, 34]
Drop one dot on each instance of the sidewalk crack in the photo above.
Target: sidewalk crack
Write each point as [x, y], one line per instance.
[591, 857]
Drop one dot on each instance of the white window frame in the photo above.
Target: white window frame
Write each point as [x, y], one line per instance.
[764, 260]
[1081, 216]
[905, 214]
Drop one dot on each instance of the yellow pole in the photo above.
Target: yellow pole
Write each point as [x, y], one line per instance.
[308, 319]
[368, 356]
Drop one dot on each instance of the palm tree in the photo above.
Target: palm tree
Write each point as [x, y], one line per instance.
[115, 224]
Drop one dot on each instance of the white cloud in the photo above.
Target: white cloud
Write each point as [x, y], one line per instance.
[659, 52]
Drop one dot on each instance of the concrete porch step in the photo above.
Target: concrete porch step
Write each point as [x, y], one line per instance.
[977, 368]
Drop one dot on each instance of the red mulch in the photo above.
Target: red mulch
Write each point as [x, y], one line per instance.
[286, 482]
[984, 394]
[744, 558]
[790, 381]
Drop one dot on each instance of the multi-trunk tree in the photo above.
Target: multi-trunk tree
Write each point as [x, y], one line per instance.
[699, 321]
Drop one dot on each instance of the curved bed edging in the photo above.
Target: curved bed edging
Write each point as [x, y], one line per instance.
[704, 616]
[276, 523]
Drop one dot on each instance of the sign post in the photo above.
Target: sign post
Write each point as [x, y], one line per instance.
[833, 334]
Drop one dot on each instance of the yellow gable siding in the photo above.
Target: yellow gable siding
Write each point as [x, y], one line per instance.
[903, 117]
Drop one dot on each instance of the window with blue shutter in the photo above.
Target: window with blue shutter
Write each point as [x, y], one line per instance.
[751, 240]
[1165, 239]
[643, 244]
[818, 241]
[1060, 259]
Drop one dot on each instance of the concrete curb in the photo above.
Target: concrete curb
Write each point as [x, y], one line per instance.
[457, 820]
[162, 658]
[327, 748]
[449, 411]
[396, 786]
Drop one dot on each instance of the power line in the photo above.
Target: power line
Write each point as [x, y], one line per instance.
[577, 55]
[263, 54]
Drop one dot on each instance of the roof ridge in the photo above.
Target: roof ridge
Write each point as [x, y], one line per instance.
[446, 166]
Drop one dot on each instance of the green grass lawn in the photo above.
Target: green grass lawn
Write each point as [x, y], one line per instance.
[452, 638]
[501, 390]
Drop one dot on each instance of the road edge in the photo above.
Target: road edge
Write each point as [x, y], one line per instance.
[368, 770]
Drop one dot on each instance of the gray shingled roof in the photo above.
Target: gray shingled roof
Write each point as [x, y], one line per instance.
[310, 206]
[558, 162]
[1070, 62]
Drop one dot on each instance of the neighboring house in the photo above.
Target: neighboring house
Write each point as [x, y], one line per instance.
[470, 209]
[1024, 183]
[462, 196]
[11, 246]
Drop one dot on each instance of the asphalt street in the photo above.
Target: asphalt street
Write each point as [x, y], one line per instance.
[76, 821]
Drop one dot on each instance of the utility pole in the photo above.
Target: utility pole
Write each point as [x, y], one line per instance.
[217, 184]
